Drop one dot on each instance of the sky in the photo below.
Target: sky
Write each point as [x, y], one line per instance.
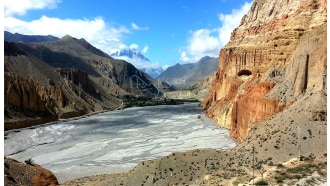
[165, 31]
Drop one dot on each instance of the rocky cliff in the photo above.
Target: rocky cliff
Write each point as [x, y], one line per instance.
[275, 57]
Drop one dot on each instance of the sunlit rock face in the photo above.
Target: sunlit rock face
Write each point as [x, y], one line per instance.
[276, 55]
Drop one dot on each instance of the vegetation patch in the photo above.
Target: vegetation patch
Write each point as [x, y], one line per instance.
[132, 101]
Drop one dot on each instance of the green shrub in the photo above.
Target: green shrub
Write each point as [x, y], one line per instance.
[271, 163]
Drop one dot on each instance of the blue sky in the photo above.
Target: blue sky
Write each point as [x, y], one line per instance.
[166, 31]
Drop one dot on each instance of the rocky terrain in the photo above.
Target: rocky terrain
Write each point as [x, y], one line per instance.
[271, 93]
[28, 173]
[66, 78]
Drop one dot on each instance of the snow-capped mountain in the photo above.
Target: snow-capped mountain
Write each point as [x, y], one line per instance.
[141, 62]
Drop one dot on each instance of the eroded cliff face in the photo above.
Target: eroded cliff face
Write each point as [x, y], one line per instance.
[31, 102]
[30, 97]
[275, 56]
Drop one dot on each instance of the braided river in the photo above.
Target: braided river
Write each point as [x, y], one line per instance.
[115, 141]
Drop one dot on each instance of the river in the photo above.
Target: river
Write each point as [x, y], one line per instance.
[115, 141]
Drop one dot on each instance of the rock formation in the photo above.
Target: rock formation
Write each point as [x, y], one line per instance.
[275, 56]
[17, 173]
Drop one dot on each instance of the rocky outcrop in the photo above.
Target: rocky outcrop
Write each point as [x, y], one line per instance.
[29, 102]
[252, 107]
[275, 56]
[32, 98]
[78, 82]
[17, 173]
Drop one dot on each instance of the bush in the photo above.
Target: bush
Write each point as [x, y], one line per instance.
[279, 180]
[29, 161]
[261, 182]
[297, 176]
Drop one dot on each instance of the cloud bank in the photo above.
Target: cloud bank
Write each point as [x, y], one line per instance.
[208, 42]
[19, 7]
[95, 30]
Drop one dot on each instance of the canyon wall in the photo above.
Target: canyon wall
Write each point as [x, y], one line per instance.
[275, 56]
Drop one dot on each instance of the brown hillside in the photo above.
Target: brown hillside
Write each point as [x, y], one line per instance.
[67, 78]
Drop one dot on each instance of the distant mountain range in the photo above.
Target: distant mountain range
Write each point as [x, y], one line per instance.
[28, 38]
[182, 76]
[139, 60]
[127, 54]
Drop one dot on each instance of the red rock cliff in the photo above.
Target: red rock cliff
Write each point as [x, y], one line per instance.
[276, 54]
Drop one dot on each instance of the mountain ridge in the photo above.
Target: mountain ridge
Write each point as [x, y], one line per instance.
[8, 36]
[182, 76]
[66, 78]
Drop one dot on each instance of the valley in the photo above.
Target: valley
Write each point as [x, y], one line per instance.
[261, 118]
[116, 141]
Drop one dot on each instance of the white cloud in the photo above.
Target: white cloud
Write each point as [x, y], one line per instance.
[231, 21]
[183, 57]
[136, 27]
[122, 46]
[95, 31]
[208, 42]
[19, 7]
[145, 50]
[134, 46]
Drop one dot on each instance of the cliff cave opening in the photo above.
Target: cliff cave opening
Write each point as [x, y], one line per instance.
[244, 73]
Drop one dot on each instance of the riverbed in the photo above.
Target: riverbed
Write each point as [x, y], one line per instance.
[116, 141]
